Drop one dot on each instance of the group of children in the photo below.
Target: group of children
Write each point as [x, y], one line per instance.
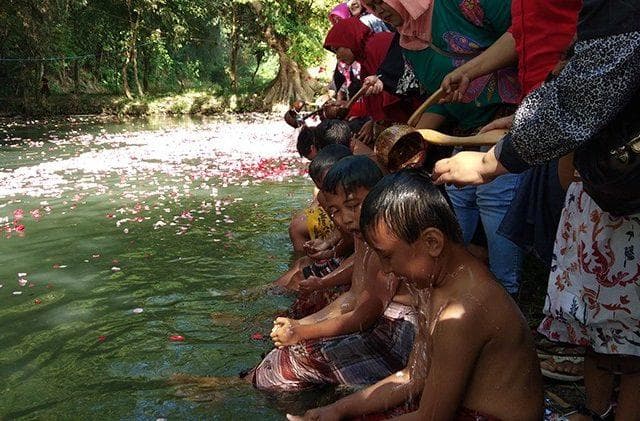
[397, 305]
[390, 300]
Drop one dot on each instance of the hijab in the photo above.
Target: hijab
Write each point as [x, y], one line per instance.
[415, 32]
[349, 33]
[342, 11]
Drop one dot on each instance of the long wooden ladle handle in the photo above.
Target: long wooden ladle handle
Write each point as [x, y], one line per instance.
[489, 138]
[355, 97]
[415, 117]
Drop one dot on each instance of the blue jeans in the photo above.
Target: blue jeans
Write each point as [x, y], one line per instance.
[489, 203]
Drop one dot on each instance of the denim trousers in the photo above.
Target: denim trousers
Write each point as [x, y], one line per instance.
[489, 203]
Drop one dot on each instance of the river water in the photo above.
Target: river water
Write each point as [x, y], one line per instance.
[134, 252]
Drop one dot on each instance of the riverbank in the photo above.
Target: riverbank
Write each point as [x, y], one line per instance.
[187, 103]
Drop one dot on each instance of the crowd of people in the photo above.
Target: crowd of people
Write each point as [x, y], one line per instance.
[408, 280]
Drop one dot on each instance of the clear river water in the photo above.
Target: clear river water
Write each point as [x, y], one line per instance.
[135, 252]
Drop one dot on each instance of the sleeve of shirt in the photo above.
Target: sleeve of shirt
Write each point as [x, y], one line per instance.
[561, 115]
[392, 66]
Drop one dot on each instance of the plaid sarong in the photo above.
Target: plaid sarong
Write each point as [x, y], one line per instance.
[357, 359]
[322, 268]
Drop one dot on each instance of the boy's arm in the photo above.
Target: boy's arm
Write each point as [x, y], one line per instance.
[385, 394]
[344, 303]
[372, 294]
[289, 331]
[341, 276]
[368, 309]
[457, 341]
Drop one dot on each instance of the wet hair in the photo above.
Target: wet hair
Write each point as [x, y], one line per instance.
[325, 159]
[408, 203]
[333, 131]
[306, 139]
[350, 173]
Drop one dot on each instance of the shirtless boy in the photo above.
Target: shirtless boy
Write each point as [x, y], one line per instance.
[474, 356]
[367, 332]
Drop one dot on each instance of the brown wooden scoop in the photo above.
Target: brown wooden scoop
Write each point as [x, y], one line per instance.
[489, 138]
[403, 145]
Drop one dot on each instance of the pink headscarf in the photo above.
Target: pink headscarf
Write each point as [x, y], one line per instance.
[415, 32]
[341, 11]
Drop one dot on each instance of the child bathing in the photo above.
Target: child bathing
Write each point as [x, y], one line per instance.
[366, 333]
[474, 356]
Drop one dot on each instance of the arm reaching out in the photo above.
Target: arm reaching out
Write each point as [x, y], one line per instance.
[502, 53]
[468, 168]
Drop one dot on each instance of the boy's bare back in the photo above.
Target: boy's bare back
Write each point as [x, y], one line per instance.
[480, 348]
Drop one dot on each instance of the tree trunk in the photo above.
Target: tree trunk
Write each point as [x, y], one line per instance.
[76, 76]
[146, 70]
[235, 47]
[134, 57]
[291, 82]
[125, 80]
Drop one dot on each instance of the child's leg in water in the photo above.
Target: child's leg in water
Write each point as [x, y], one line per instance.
[205, 389]
[293, 276]
[299, 232]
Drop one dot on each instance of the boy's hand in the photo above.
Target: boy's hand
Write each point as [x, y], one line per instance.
[284, 332]
[324, 413]
[323, 255]
[315, 246]
[365, 134]
[312, 283]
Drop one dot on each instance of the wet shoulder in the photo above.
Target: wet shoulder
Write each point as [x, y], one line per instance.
[478, 296]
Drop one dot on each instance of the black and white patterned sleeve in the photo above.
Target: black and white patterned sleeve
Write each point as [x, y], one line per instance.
[555, 119]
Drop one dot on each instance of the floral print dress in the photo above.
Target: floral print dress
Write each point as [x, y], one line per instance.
[593, 297]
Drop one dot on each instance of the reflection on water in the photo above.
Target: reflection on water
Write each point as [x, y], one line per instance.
[175, 219]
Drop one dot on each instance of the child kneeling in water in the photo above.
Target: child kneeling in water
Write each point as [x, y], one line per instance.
[367, 332]
[474, 357]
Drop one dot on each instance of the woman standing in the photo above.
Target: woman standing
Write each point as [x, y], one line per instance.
[437, 37]
[590, 108]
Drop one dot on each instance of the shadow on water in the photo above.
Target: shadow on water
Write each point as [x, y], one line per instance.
[134, 251]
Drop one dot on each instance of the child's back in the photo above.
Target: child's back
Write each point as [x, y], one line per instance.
[474, 321]
[479, 351]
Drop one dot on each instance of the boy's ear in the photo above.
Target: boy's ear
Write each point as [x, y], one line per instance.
[433, 240]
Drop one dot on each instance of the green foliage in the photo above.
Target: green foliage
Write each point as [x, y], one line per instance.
[302, 23]
[179, 45]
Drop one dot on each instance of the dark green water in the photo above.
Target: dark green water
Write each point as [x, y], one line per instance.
[182, 219]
